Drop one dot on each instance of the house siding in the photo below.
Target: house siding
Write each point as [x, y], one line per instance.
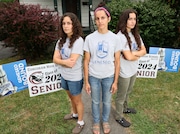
[84, 14]
[49, 4]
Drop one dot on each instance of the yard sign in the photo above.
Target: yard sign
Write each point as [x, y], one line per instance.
[43, 79]
[148, 66]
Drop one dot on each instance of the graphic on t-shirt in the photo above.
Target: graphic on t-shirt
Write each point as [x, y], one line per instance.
[102, 49]
[65, 52]
[134, 46]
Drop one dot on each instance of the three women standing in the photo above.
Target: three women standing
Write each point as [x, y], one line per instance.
[101, 65]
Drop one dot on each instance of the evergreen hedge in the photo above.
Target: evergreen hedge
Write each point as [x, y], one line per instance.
[157, 21]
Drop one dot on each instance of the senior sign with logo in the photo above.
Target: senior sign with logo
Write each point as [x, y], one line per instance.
[148, 66]
[43, 79]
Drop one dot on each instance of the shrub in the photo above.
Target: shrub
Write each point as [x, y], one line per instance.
[116, 7]
[157, 21]
[175, 4]
[7, 0]
[28, 28]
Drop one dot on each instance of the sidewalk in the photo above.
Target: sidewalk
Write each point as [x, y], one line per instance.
[115, 127]
[6, 51]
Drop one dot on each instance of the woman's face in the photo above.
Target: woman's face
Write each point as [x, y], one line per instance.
[131, 22]
[67, 26]
[101, 20]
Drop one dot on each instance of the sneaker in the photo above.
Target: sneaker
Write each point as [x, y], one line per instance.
[130, 111]
[123, 122]
[77, 129]
[69, 117]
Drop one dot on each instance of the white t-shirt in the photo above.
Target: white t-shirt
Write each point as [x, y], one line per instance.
[128, 68]
[102, 48]
[75, 73]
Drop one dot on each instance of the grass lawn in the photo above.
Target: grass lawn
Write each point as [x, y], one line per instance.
[158, 104]
[156, 100]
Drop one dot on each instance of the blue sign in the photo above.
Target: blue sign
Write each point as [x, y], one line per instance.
[169, 58]
[13, 77]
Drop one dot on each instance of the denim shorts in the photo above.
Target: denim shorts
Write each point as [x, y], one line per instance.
[74, 87]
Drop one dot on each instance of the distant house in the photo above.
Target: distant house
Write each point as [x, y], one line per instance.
[82, 8]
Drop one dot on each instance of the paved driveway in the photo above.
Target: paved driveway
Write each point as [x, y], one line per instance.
[6, 52]
[115, 127]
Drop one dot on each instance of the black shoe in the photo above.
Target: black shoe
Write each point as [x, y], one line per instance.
[130, 111]
[123, 122]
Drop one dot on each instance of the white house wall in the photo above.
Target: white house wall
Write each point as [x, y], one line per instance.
[60, 10]
[49, 4]
[84, 14]
[85, 11]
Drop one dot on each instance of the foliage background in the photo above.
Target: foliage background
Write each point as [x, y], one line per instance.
[157, 21]
[28, 28]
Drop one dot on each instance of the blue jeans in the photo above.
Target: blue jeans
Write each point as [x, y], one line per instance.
[99, 86]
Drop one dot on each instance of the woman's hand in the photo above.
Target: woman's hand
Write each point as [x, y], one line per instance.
[88, 88]
[114, 88]
[70, 62]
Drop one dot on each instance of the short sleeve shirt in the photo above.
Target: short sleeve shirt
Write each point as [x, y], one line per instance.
[128, 68]
[102, 48]
[75, 73]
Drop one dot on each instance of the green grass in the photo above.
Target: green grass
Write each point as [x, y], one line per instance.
[21, 114]
[158, 104]
[156, 100]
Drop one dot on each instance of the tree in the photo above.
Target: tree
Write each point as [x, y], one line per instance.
[28, 28]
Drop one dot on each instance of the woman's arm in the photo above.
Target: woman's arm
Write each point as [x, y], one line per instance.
[86, 71]
[70, 62]
[128, 55]
[140, 52]
[116, 73]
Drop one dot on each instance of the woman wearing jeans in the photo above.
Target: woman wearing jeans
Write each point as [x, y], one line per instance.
[101, 67]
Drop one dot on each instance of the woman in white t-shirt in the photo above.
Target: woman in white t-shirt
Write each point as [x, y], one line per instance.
[133, 49]
[101, 67]
[68, 54]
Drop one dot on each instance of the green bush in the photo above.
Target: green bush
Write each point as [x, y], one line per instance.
[28, 28]
[157, 21]
[116, 7]
[7, 0]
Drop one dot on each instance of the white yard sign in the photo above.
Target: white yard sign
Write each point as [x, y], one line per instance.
[148, 66]
[43, 79]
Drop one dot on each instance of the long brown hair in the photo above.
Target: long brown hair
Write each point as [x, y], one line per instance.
[77, 30]
[122, 24]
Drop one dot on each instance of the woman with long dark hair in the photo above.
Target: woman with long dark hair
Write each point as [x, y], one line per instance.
[133, 49]
[68, 54]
